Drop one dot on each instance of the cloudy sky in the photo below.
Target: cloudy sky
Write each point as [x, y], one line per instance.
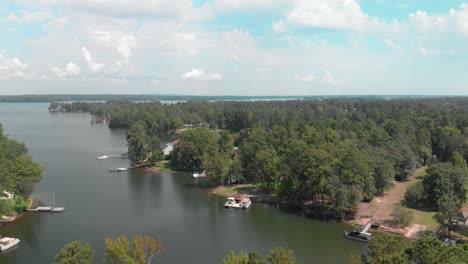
[234, 47]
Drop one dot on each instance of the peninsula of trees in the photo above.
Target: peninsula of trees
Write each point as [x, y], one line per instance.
[18, 175]
[329, 154]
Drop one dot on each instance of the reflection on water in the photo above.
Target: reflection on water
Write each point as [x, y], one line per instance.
[193, 225]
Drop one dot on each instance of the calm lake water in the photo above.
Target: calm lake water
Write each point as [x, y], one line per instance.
[193, 225]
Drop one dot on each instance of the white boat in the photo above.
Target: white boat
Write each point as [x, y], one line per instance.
[122, 169]
[199, 175]
[363, 235]
[245, 203]
[101, 157]
[8, 242]
[229, 202]
[238, 202]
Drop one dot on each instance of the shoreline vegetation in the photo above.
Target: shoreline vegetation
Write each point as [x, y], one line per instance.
[327, 156]
[5, 220]
[18, 176]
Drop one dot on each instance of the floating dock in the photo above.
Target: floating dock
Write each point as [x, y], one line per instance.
[130, 168]
[47, 209]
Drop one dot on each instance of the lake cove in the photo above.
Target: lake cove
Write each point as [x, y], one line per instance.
[193, 225]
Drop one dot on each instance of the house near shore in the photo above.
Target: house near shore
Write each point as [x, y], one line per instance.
[170, 147]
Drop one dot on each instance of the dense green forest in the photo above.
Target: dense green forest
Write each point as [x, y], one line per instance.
[329, 153]
[18, 175]
[426, 250]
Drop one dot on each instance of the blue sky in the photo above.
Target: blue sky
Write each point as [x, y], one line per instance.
[234, 47]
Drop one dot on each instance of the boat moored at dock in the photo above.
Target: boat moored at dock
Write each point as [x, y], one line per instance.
[45, 209]
[362, 235]
[238, 202]
[199, 175]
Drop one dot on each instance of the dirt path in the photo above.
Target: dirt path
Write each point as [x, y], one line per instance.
[381, 207]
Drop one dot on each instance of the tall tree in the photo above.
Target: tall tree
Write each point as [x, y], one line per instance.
[137, 142]
[387, 249]
[143, 143]
[449, 212]
[443, 179]
[139, 250]
[75, 253]
[194, 147]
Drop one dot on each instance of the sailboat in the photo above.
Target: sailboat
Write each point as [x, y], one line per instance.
[56, 209]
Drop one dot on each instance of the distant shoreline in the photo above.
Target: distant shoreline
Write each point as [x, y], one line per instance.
[48, 98]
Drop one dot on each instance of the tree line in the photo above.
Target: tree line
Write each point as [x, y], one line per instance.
[330, 154]
[18, 175]
[399, 250]
[137, 250]
[142, 249]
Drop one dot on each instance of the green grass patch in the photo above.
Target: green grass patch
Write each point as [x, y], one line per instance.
[424, 218]
[166, 165]
[421, 175]
[235, 189]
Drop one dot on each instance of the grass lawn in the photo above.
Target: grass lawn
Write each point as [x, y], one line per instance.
[424, 218]
[166, 166]
[234, 189]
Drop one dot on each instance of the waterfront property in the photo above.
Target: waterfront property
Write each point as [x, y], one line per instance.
[142, 202]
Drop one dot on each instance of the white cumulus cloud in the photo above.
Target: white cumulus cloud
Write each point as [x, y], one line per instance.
[13, 68]
[71, 69]
[93, 66]
[334, 14]
[456, 19]
[201, 75]
[425, 22]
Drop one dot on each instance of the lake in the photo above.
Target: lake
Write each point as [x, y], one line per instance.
[192, 224]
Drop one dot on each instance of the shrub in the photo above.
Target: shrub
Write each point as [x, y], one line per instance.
[402, 216]
[414, 196]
